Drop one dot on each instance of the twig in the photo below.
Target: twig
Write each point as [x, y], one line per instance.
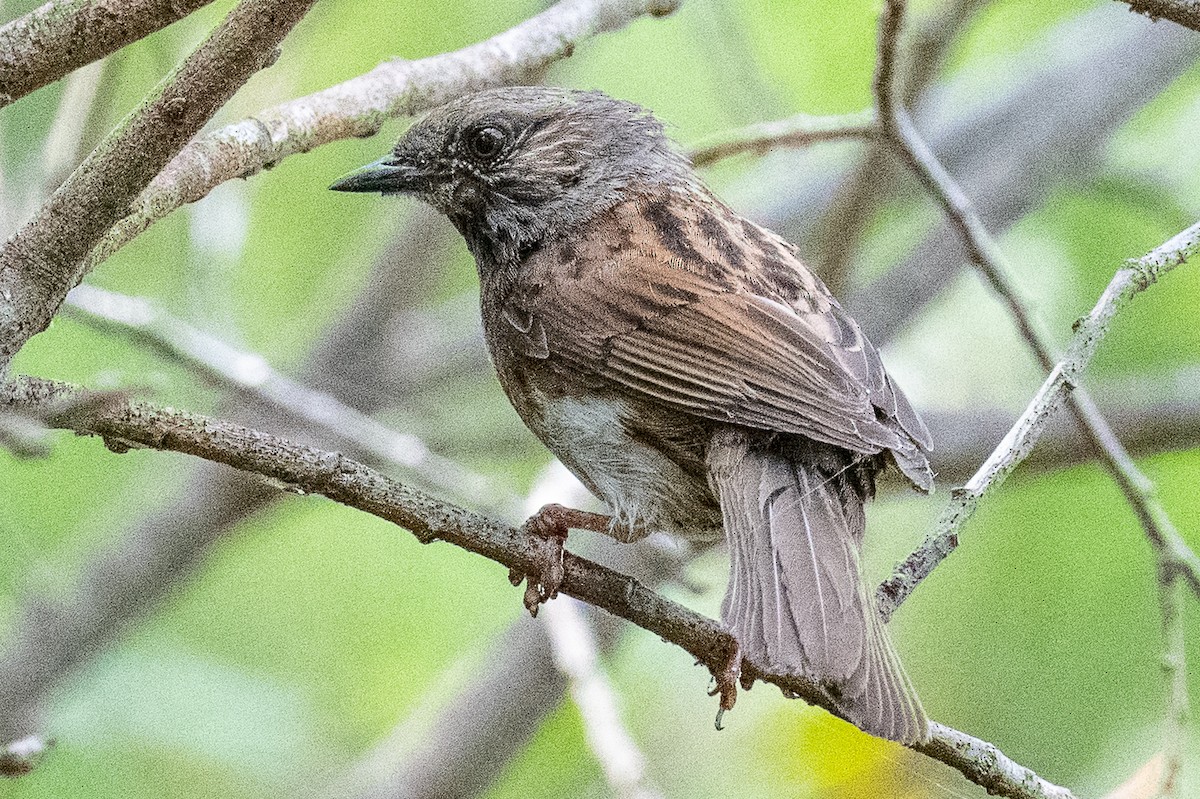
[1181, 12]
[985, 255]
[359, 107]
[224, 365]
[1130, 279]
[41, 263]
[800, 130]
[307, 470]
[574, 649]
[63, 35]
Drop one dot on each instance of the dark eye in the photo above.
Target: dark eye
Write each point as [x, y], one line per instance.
[486, 143]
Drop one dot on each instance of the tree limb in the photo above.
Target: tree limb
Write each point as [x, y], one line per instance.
[307, 470]
[1132, 278]
[63, 35]
[42, 261]
[986, 256]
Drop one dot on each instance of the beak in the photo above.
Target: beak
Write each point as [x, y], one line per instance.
[388, 175]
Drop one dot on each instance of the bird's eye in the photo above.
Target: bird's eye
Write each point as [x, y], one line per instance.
[486, 143]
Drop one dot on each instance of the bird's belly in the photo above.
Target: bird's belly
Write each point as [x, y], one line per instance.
[645, 489]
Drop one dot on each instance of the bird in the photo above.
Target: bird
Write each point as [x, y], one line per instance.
[684, 364]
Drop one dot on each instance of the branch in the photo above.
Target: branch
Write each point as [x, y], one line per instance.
[800, 130]
[249, 373]
[1132, 278]
[985, 255]
[41, 263]
[308, 470]
[1181, 12]
[63, 35]
[359, 107]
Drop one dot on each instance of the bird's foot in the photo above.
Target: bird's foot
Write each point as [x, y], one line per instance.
[547, 529]
[726, 675]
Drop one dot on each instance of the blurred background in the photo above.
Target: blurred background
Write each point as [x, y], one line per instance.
[208, 635]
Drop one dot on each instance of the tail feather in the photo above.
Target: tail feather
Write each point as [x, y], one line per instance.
[796, 601]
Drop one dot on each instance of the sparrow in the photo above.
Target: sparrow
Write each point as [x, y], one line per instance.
[684, 364]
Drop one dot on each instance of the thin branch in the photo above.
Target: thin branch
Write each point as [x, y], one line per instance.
[42, 262]
[800, 130]
[63, 35]
[1133, 277]
[985, 255]
[249, 373]
[1181, 12]
[307, 470]
[359, 107]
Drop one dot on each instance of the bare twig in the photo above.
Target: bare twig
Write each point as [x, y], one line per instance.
[985, 255]
[1181, 12]
[360, 106]
[249, 373]
[800, 130]
[308, 470]
[1089, 332]
[42, 262]
[63, 35]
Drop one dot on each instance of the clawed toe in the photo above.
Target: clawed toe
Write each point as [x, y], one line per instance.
[547, 530]
[726, 677]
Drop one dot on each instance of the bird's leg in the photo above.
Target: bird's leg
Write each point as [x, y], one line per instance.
[548, 529]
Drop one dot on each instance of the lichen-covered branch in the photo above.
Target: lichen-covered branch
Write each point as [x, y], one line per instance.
[359, 107]
[309, 470]
[983, 252]
[42, 261]
[63, 35]
[1133, 277]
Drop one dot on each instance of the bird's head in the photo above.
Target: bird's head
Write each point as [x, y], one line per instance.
[512, 166]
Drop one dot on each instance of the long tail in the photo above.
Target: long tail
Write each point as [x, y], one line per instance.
[796, 599]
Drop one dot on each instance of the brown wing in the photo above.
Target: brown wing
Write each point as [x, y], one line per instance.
[765, 347]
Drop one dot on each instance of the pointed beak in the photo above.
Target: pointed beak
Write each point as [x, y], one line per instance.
[388, 175]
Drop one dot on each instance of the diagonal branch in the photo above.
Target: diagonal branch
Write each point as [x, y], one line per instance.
[63, 35]
[985, 255]
[309, 470]
[1132, 278]
[41, 263]
[359, 107]
[250, 374]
